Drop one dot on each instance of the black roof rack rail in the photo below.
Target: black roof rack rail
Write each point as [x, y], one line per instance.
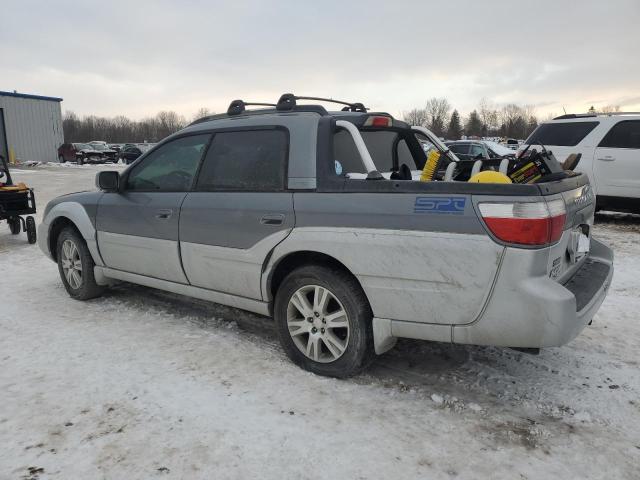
[238, 106]
[288, 101]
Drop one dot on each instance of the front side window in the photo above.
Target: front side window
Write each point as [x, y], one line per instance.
[565, 134]
[249, 160]
[171, 167]
[625, 134]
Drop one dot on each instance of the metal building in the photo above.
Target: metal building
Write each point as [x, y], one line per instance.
[30, 127]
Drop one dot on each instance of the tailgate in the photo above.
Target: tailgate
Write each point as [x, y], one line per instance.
[566, 256]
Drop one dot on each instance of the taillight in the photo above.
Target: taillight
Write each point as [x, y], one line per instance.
[525, 223]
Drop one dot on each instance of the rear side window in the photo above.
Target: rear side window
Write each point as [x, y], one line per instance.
[625, 134]
[476, 150]
[566, 134]
[248, 160]
[461, 148]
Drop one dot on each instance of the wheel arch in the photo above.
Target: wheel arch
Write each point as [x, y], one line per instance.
[292, 260]
[74, 214]
[55, 229]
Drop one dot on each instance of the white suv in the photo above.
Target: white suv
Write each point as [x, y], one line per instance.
[610, 148]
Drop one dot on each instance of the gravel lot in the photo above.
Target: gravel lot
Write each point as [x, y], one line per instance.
[144, 384]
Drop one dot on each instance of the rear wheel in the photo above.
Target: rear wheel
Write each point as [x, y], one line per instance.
[14, 225]
[31, 229]
[323, 320]
[75, 265]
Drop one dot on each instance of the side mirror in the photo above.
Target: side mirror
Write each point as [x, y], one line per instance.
[108, 181]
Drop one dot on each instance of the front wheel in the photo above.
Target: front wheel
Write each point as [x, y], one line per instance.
[323, 320]
[75, 265]
[61, 158]
[14, 225]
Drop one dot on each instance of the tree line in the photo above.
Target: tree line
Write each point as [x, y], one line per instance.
[487, 120]
[121, 129]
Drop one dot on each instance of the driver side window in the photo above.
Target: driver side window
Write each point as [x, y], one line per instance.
[171, 167]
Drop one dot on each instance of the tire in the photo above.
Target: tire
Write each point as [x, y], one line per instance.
[72, 250]
[61, 158]
[340, 351]
[81, 160]
[14, 225]
[31, 230]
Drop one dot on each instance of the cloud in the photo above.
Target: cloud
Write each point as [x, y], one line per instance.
[136, 58]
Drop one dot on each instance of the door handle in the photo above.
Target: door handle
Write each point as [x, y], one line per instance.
[607, 158]
[272, 219]
[164, 214]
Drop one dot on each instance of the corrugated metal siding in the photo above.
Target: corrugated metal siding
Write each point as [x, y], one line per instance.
[34, 128]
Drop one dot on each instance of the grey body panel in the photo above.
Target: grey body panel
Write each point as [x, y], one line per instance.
[392, 211]
[138, 233]
[226, 236]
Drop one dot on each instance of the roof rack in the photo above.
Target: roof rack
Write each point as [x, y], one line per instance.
[288, 101]
[596, 114]
[238, 106]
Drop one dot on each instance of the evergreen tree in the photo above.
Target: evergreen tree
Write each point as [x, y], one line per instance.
[454, 132]
[473, 127]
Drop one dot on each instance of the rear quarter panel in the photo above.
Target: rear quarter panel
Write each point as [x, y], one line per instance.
[419, 258]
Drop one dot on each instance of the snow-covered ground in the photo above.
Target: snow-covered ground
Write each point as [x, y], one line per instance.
[141, 383]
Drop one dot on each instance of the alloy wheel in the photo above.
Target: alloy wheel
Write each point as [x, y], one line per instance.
[318, 323]
[71, 264]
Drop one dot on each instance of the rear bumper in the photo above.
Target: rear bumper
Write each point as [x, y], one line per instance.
[539, 312]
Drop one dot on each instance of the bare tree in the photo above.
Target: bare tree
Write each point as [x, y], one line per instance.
[609, 109]
[417, 117]
[437, 110]
[201, 113]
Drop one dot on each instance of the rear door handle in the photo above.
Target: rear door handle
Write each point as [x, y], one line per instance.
[607, 158]
[272, 219]
[164, 214]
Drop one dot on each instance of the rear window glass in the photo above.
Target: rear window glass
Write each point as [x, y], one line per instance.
[625, 134]
[381, 145]
[566, 134]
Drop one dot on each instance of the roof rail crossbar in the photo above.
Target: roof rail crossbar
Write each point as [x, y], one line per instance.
[288, 102]
[238, 106]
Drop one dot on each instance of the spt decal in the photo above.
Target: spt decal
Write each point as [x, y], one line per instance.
[441, 205]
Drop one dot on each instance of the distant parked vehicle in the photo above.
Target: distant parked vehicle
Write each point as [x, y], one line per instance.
[110, 155]
[479, 150]
[80, 153]
[131, 152]
[609, 145]
[512, 143]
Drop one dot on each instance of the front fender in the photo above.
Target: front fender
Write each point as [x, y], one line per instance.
[77, 214]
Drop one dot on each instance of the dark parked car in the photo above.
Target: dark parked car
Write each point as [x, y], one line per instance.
[131, 152]
[79, 153]
[110, 155]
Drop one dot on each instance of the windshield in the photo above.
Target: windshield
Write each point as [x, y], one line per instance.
[98, 146]
[497, 148]
[83, 146]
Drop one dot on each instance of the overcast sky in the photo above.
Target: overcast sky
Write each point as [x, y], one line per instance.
[138, 57]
